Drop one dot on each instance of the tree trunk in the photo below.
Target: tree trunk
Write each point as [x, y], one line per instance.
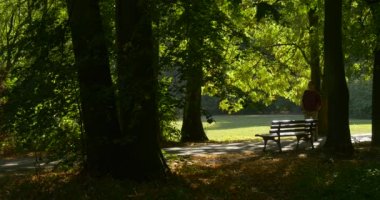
[96, 92]
[323, 113]
[138, 84]
[192, 128]
[375, 9]
[316, 69]
[338, 137]
[314, 49]
[376, 98]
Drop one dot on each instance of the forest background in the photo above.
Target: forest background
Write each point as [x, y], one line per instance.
[96, 81]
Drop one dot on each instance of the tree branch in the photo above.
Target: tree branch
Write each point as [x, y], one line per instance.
[308, 61]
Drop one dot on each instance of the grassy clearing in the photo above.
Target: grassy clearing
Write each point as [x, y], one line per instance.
[244, 127]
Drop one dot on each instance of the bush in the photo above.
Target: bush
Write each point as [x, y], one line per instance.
[360, 98]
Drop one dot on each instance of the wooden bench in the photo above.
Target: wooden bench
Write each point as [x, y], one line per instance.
[301, 129]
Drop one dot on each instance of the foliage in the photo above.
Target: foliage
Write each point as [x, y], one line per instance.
[41, 99]
[359, 39]
[168, 111]
[268, 63]
[212, 25]
[360, 98]
[280, 105]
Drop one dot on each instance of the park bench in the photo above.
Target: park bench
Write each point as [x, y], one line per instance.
[301, 129]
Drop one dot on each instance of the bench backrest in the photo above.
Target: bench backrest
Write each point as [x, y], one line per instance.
[283, 126]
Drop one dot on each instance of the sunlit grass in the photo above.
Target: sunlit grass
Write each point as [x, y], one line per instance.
[244, 127]
[360, 126]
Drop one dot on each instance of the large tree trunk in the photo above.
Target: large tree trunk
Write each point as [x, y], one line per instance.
[315, 75]
[192, 128]
[314, 49]
[376, 99]
[96, 92]
[338, 137]
[375, 8]
[138, 82]
[323, 113]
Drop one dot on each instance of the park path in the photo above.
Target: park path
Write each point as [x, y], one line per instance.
[244, 147]
[27, 164]
[23, 164]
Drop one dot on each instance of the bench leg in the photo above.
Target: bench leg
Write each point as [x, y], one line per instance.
[279, 145]
[277, 141]
[265, 144]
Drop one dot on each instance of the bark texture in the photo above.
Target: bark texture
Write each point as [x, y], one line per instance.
[192, 128]
[138, 82]
[338, 137]
[375, 9]
[96, 91]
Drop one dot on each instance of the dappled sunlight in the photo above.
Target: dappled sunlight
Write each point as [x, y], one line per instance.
[240, 147]
[276, 176]
[243, 175]
[224, 148]
[302, 155]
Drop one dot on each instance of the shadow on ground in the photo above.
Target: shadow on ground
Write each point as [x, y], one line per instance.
[27, 164]
[221, 171]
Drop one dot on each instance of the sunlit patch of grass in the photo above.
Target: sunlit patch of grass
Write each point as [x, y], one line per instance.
[244, 127]
[358, 129]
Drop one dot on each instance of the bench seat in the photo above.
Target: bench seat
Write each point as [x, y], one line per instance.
[301, 129]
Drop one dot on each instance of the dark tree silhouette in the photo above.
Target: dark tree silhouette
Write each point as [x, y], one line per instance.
[315, 67]
[314, 48]
[131, 151]
[375, 9]
[192, 128]
[338, 136]
[96, 92]
[137, 81]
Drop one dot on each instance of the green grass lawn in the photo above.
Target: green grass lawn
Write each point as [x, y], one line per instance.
[244, 127]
